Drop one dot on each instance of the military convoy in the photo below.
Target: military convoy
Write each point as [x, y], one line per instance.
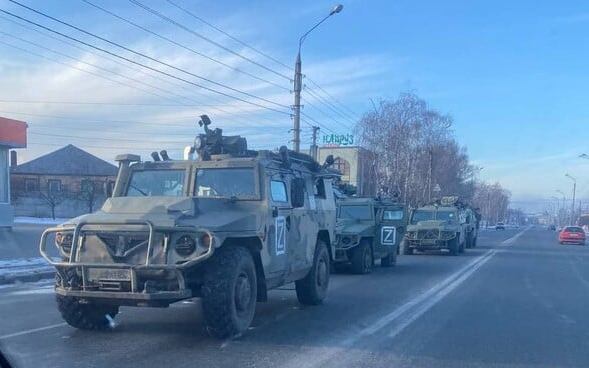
[227, 227]
[368, 229]
[443, 225]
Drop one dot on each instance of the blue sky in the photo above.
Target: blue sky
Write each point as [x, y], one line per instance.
[512, 74]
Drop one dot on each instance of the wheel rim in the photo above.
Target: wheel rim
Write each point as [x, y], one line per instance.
[322, 274]
[367, 259]
[243, 291]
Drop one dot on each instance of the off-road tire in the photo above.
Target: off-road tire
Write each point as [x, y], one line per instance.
[454, 247]
[362, 258]
[406, 250]
[468, 243]
[312, 289]
[85, 316]
[229, 292]
[390, 260]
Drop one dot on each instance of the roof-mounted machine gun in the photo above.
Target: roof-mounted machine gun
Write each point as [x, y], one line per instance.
[212, 142]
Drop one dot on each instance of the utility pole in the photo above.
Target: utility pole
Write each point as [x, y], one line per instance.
[314, 149]
[574, 191]
[298, 83]
[298, 86]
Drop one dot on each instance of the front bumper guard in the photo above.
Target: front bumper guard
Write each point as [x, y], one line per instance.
[134, 294]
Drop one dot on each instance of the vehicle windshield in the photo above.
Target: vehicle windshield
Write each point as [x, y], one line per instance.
[449, 216]
[237, 183]
[355, 212]
[573, 229]
[392, 214]
[422, 215]
[152, 183]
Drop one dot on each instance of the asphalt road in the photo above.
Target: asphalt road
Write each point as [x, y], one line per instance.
[21, 242]
[517, 300]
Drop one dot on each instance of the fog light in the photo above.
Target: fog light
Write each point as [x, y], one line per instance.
[185, 245]
[64, 241]
[205, 240]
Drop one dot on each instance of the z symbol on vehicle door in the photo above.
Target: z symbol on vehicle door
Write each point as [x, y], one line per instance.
[280, 240]
[388, 235]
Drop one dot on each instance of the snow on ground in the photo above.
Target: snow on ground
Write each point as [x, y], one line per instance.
[39, 220]
[23, 266]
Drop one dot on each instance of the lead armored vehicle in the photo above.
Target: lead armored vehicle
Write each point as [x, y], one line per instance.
[368, 229]
[226, 227]
[443, 225]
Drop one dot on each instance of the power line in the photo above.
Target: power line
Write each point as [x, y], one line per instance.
[190, 13]
[170, 20]
[307, 103]
[105, 139]
[174, 83]
[230, 36]
[353, 114]
[329, 105]
[147, 57]
[99, 103]
[184, 46]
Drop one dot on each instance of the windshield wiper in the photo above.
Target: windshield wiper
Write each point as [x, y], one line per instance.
[139, 190]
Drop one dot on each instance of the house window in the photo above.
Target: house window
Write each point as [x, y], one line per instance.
[54, 185]
[99, 187]
[87, 186]
[31, 185]
[343, 167]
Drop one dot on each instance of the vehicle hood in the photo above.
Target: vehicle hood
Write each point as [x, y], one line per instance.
[432, 224]
[353, 227]
[211, 214]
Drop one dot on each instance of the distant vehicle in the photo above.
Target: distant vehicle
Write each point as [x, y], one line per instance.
[552, 227]
[572, 235]
[368, 229]
[445, 225]
[500, 226]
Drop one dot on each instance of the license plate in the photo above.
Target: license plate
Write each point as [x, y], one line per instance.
[110, 274]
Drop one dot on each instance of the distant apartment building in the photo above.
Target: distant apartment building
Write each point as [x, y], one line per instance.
[355, 165]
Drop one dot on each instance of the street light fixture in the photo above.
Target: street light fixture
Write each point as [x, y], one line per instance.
[298, 82]
[584, 155]
[574, 190]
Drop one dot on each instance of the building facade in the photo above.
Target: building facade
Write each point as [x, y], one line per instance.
[13, 134]
[356, 164]
[64, 183]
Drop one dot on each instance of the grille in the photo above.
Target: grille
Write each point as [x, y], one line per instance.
[428, 234]
[119, 245]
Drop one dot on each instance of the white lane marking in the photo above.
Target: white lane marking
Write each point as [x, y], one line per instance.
[514, 238]
[408, 306]
[406, 313]
[430, 302]
[26, 332]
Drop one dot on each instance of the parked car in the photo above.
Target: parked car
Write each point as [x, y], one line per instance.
[572, 235]
[500, 226]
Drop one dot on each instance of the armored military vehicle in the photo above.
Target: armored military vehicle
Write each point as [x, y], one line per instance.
[368, 229]
[226, 227]
[444, 225]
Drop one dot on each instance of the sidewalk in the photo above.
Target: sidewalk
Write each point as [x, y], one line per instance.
[19, 254]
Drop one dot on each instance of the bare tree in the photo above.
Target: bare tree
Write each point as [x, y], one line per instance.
[52, 199]
[88, 194]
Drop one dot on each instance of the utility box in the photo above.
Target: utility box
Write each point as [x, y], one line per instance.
[13, 134]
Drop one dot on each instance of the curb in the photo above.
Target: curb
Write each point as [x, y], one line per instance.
[31, 276]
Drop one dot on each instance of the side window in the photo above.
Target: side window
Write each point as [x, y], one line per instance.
[278, 191]
[320, 188]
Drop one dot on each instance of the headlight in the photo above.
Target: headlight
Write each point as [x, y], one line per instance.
[64, 241]
[411, 234]
[205, 240]
[185, 245]
[346, 240]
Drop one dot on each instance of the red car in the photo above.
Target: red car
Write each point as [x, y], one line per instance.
[572, 234]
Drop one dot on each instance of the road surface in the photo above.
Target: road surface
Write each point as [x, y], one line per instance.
[518, 300]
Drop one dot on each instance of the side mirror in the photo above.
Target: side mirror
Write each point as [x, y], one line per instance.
[297, 192]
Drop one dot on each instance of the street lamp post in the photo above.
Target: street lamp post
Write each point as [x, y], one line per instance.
[298, 82]
[556, 209]
[574, 191]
